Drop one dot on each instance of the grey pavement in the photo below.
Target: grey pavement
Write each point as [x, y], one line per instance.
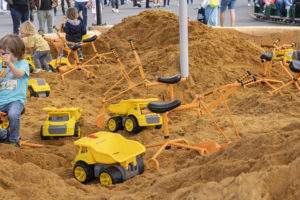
[242, 12]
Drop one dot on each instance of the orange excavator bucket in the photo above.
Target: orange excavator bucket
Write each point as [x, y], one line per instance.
[211, 146]
[101, 117]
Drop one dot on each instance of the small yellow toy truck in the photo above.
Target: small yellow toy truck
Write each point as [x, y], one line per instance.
[108, 157]
[38, 87]
[61, 122]
[132, 115]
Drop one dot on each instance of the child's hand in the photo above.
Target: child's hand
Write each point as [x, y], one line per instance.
[7, 58]
[2, 73]
[89, 4]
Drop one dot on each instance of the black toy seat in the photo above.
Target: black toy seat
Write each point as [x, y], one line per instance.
[91, 39]
[162, 107]
[295, 66]
[266, 56]
[170, 80]
[74, 47]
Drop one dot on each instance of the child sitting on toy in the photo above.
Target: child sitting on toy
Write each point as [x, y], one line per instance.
[35, 43]
[13, 86]
[74, 29]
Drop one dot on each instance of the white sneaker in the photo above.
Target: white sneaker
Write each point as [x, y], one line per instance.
[116, 10]
[113, 10]
[35, 71]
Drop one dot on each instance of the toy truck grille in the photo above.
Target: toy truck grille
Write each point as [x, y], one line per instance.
[61, 129]
[152, 119]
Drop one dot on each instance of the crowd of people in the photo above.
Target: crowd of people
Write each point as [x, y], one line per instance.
[23, 10]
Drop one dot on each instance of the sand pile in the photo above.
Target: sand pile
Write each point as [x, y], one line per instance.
[262, 165]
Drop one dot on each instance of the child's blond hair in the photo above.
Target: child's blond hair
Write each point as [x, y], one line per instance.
[28, 28]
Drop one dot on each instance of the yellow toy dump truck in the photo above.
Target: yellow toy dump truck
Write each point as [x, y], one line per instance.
[108, 157]
[132, 115]
[38, 87]
[61, 123]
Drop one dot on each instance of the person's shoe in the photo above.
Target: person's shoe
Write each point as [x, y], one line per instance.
[35, 71]
[117, 11]
[113, 10]
[15, 144]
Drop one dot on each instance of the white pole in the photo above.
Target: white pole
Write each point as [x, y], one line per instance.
[184, 42]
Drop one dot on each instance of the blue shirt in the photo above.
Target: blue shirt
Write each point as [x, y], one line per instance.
[12, 88]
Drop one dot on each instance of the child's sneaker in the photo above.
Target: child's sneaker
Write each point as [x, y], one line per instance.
[35, 71]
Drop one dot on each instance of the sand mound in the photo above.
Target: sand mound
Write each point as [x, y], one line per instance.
[262, 165]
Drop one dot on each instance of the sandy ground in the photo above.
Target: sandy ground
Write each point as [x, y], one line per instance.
[263, 164]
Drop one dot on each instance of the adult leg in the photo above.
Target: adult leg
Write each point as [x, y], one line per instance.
[25, 16]
[83, 9]
[41, 18]
[62, 4]
[16, 18]
[14, 114]
[232, 17]
[50, 20]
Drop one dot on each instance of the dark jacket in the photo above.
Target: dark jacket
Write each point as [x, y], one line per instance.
[74, 32]
[21, 5]
[38, 3]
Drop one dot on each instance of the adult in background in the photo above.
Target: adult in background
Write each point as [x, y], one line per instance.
[45, 14]
[19, 10]
[62, 3]
[230, 4]
[82, 6]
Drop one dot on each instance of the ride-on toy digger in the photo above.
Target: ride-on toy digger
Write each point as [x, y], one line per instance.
[108, 157]
[132, 115]
[61, 123]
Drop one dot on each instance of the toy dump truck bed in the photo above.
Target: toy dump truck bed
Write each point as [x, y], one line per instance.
[110, 148]
[123, 107]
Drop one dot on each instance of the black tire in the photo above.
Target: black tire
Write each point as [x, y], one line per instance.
[135, 128]
[114, 173]
[47, 93]
[41, 134]
[30, 68]
[32, 93]
[158, 126]
[141, 165]
[118, 124]
[52, 68]
[88, 170]
[76, 129]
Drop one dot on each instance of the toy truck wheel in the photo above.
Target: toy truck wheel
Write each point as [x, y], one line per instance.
[77, 130]
[141, 165]
[47, 93]
[114, 124]
[32, 93]
[41, 134]
[110, 176]
[82, 172]
[131, 125]
[158, 126]
[52, 68]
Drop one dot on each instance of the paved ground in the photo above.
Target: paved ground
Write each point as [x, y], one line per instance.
[243, 15]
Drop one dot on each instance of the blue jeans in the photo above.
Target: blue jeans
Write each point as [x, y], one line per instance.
[18, 17]
[13, 110]
[41, 59]
[81, 7]
[211, 15]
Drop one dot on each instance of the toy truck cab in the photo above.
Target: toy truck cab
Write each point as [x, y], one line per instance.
[61, 122]
[132, 115]
[109, 157]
